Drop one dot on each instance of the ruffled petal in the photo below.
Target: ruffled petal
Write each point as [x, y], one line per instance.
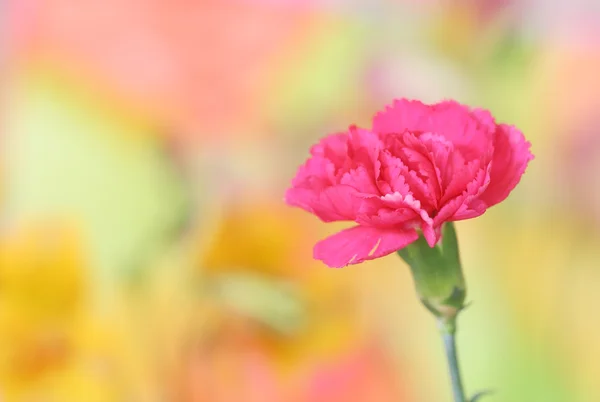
[333, 147]
[402, 115]
[361, 243]
[471, 130]
[394, 178]
[391, 211]
[473, 181]
[510, 159]
[336, 203]
[316, 173]
[361, 179]
[363, 150]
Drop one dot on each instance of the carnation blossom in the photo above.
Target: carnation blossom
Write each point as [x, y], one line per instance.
[416, 168]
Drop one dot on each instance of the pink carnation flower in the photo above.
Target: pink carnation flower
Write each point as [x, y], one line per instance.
[418, 167]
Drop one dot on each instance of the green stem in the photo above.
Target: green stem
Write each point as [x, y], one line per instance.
[448, 330]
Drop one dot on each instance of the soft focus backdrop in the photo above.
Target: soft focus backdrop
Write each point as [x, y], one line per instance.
[145, 251]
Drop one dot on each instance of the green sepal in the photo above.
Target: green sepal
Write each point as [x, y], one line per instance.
[437, 273]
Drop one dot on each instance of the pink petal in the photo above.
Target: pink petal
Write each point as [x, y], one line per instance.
[397, 200]
[472, 205]
[363, 142]
[428, 154]
[474, 181]
[401, 116]
[470, 210]
[470, 130]
[389, 212]
[332, 147]
[316, 171]
[460, 180]
[403, 180]
[361, 179]
[510, 159]
[392, 175]
[337, 203]
[363, 150]
[361, 243]
[456, 163]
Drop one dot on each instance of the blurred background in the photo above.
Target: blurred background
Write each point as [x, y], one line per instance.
[145, 250]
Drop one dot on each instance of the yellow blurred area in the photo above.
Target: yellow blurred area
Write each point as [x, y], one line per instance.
[42, 294]
[146, 253]
[54, 347]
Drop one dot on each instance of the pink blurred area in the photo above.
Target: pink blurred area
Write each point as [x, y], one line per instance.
[359, 376]
[200, 68]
